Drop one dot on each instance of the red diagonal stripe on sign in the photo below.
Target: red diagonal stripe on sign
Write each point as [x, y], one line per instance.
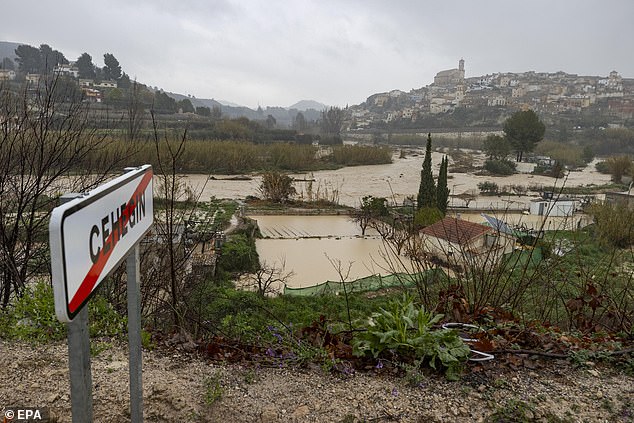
[90, 280]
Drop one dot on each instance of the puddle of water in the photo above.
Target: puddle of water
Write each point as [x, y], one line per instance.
[308, 258]
[291, 226]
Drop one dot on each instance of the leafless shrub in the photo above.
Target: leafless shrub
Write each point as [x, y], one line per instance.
[46, 149]
[277, 187]
[269, 278]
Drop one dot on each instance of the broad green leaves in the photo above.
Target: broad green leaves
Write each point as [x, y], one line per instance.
[407, 331]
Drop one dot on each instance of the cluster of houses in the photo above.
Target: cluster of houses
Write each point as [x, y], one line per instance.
[539, 91]
[93, 89]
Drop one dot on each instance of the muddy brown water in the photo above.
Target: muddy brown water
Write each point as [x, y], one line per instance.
[304, 243]
[312, 247]
[394, 181]
[315, 247]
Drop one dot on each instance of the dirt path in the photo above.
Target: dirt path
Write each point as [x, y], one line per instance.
[181, 387]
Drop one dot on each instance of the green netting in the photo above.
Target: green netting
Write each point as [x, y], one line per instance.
[369, 283]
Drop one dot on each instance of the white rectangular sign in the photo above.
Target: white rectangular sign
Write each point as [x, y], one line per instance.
[90, 235]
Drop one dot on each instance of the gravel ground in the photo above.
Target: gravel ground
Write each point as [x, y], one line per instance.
[181, 387]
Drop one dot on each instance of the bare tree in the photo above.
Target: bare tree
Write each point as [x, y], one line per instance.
[277, 187]
[46, 149]
[269, 278]
[170, 225]
[396, 232]
[135, 113]
[344, 275]
[371, 209]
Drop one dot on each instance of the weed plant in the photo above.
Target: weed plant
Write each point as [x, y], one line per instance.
[221, 309]
[32, 317]
[406, 331]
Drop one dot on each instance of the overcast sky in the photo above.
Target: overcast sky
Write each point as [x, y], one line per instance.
[277, 52]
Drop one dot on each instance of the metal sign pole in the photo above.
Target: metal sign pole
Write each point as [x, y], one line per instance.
[134, 335]
[79, 359]
[79, 366]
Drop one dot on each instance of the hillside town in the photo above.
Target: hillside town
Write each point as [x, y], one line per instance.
[475, 101]
[546, 93]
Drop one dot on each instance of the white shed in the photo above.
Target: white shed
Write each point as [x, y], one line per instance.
[553, 207]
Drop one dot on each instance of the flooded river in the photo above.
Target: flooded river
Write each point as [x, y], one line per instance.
[304, 243]
[394, 181]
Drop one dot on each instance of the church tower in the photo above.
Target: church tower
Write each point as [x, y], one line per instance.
[461, 69]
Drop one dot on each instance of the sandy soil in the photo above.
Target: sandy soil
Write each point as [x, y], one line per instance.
[179, 386]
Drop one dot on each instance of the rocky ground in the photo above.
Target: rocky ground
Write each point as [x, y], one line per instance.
[179, 386]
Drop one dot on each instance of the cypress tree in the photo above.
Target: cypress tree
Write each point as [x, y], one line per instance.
[442, 191]
[427, 189]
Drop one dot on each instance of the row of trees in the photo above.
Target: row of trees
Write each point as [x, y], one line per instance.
[36, 60]
[44, 59]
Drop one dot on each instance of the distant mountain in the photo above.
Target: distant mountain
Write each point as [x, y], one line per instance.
[308, 104]
[284, 116]
[7, 49]
[196, 102]
[229, 103]
[228, 111]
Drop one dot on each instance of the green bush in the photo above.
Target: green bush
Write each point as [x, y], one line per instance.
[407, 330]
[602, 167]
[614, 224]
[426, 216]
[500, 167]
[32, 317]
[238, 255]
[488, 188]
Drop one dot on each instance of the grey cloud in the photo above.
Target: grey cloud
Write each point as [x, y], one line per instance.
[337, 52]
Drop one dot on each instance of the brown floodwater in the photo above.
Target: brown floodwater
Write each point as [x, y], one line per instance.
[304, 244]
[396, 181]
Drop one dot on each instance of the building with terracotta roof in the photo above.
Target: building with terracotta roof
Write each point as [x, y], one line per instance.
[459, 243]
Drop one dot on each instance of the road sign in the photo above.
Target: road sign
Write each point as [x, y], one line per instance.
[90, 235]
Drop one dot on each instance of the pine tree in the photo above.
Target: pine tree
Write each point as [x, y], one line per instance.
[442, 191]
[427, 190]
